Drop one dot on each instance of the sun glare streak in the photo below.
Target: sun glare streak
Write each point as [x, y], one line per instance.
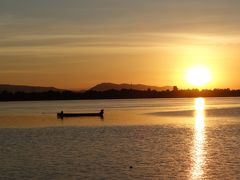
[199, 105]
[199, 138]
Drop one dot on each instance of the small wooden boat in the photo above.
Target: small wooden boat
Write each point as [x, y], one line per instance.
[63, 115]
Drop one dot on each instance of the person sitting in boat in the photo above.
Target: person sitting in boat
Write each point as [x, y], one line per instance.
[102, 112]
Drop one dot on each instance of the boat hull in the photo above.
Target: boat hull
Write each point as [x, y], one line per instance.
[65, 115]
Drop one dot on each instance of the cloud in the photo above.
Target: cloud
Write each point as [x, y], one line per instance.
[96, 43]
[112, 26]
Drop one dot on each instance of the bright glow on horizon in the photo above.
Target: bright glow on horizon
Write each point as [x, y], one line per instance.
[198, 76]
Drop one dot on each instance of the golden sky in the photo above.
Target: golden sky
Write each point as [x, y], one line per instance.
[77, 44]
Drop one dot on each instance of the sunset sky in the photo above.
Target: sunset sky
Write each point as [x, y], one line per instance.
[76, 44]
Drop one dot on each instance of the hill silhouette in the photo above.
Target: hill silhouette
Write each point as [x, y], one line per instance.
[24, 88]
[141, 87]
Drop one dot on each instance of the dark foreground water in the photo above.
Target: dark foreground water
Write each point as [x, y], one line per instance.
[137, 139]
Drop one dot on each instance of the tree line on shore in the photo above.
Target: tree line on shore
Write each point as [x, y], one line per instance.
[116, 94]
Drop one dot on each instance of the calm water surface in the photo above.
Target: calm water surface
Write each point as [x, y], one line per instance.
[158, 138]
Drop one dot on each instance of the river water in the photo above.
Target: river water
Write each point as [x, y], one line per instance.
[136, 139]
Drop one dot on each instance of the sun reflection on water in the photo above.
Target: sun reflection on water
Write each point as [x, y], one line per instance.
[199, 138]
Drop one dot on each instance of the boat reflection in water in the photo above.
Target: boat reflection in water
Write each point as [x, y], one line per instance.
[198, 151]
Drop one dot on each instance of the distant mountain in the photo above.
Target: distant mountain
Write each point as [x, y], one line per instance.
[109, 86]
[22, 88]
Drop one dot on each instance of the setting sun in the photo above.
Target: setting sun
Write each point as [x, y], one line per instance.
[198, 76]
